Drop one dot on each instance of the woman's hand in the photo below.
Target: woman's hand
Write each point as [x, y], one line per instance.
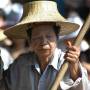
[72, 56]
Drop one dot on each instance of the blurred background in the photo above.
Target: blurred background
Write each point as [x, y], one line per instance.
[11, 12]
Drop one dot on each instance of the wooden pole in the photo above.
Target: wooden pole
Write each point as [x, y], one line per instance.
[77, 42]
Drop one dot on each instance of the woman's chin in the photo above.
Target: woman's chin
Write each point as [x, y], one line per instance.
[45, 53]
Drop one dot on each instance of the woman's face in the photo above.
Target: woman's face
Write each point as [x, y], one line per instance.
[43, 40]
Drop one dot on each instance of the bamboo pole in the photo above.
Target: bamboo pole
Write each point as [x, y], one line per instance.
[77, 42]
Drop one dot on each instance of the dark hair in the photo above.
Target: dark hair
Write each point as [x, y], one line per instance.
[29, 32]
[85, 56]
[56, 30]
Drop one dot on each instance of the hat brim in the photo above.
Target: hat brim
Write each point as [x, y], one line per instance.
[19, 31]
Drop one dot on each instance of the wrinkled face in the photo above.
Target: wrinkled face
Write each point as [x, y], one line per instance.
[43, 40]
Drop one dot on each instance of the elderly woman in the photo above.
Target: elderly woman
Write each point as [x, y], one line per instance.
[41, 24]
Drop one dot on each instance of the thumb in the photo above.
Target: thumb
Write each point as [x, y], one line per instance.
[69, 44]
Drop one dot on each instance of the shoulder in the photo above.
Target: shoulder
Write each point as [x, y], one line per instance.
[23, 60]
[6, 57]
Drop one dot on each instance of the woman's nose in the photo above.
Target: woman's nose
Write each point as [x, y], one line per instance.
[44, 40]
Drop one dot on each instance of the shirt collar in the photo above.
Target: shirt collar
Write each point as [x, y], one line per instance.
[55, 62]
[56, 59]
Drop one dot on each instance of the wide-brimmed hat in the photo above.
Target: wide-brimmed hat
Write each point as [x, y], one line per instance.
[2, 35]
[41, 11]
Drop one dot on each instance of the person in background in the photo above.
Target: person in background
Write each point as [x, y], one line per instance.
[4, 54]
[42, 24]
[87, 38]
[13, 46]
[13, 11]
[72, 16]
[2, 18]
[2, 24]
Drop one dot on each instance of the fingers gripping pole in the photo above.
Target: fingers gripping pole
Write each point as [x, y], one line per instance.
[77, 42]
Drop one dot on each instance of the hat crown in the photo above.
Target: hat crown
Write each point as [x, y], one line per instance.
[46, 6]
[41, 9]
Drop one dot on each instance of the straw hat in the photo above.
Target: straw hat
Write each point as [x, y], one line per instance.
[39, 12]
[2, 35]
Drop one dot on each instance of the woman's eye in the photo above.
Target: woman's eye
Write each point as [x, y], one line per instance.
[49, 37]
[36, 38]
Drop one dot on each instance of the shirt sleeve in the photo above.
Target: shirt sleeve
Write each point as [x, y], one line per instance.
[1, 67]
[80, 84]
[2, 80]
[6, 58]
[2, 85]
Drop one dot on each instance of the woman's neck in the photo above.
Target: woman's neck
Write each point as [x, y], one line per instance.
[43, 62]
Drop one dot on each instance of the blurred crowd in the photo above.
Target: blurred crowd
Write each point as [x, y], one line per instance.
[11, 12]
